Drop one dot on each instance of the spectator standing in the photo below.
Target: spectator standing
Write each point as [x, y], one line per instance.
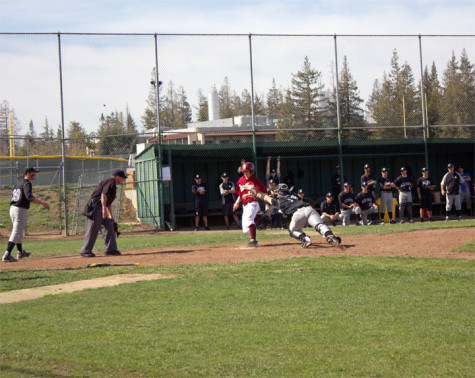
[336, 182]
[465, 189]
[273, 173]
[348, 206]
[367, 204]
[450, 187]
[330, 210]
[404, 185]
[386, 185]
[425, 186]
[22, 197]
[200, 193]
[227, 190]
[100, 218]
[369, 179]
[249, 203]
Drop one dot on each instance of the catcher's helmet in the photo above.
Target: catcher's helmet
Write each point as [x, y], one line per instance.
[247, 167]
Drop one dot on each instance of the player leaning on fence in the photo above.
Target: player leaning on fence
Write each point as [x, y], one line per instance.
[99, 216]
[22, 196]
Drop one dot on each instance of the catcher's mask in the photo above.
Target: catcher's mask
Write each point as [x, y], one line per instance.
[282, 188]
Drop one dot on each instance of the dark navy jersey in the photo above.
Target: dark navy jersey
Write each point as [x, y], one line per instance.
[404, 183]
[368, 178]
[329, 208]
[336, 181]
[107, 187]
[423, 184]
[451, 182]
[196, 189]
[288, 204]
[346, 198]
[22, 194]
[224, 187]
[364, 200]
[384, 181]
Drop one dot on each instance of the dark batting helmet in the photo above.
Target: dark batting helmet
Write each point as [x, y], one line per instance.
[247, 167]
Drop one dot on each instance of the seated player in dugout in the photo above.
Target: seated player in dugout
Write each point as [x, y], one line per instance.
[300, 214]
[330, 210]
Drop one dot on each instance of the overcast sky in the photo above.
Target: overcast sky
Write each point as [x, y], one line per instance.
[120, 77]
[243, 16]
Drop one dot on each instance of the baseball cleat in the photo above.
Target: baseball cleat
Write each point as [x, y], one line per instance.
[334, 240]
[22, 254]
[446, 219]
[392, 221]
[252, 244]
[8, 258]
[307, 242]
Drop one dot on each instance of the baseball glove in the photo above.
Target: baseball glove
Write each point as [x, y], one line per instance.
[116, 229]
[253, 192]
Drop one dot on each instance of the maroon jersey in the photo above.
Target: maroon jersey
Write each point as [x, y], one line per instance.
[243, 185]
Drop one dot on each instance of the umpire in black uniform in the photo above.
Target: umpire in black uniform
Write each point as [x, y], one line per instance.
[99, 216]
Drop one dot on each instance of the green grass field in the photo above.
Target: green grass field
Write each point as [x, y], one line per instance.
[342, 316]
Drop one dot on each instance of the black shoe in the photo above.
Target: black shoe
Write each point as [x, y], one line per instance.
[392, 221]
[228, 228]
[334, 240]
[112, 253]
[22, 254]
[422, 220]
[7, 257]
[252, 244]
[207, 228]
[87, 254]
[431, 220]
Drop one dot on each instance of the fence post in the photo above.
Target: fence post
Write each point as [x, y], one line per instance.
[63, 160]
[253, 125]
[159, 141]
[338, 120]
[423, 108]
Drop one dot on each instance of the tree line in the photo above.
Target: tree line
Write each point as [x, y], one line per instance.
[305, 110]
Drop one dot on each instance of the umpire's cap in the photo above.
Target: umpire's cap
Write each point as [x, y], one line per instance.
[120, 173]
[31, 170]
[450, 165]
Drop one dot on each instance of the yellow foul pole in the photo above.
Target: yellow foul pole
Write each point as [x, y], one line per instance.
[11, 123]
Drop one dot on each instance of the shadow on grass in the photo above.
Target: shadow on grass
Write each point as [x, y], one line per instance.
[26, 372]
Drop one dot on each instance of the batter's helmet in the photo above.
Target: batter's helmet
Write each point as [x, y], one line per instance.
[247, 166]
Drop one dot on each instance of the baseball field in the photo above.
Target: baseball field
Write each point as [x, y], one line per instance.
[396, 300]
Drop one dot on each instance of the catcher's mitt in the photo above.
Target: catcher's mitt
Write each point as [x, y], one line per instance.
[116, 229]
[253, 192]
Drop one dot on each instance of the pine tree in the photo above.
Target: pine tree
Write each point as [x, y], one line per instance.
[225, 100]
[202, 107]
[351, 113]
[309, 100]
[432, 92]
[274, 102]
[76, 135]
[149, 118]
[176, 111]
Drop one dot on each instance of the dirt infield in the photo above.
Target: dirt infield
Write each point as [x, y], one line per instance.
[425, 243]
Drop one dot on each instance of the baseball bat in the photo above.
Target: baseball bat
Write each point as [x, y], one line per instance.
[98, 265]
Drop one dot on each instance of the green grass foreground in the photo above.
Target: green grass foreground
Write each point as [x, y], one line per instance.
[346, 316]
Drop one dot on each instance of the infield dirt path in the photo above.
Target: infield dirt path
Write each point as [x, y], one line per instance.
[426, 243]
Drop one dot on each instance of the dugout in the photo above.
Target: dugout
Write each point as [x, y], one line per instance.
[307, 165]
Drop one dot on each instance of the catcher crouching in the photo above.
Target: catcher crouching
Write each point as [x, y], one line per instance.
[300, 213]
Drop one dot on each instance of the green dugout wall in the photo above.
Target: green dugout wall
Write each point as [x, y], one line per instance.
[310, 165]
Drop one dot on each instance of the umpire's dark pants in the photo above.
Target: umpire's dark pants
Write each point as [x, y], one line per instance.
[93, 226]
